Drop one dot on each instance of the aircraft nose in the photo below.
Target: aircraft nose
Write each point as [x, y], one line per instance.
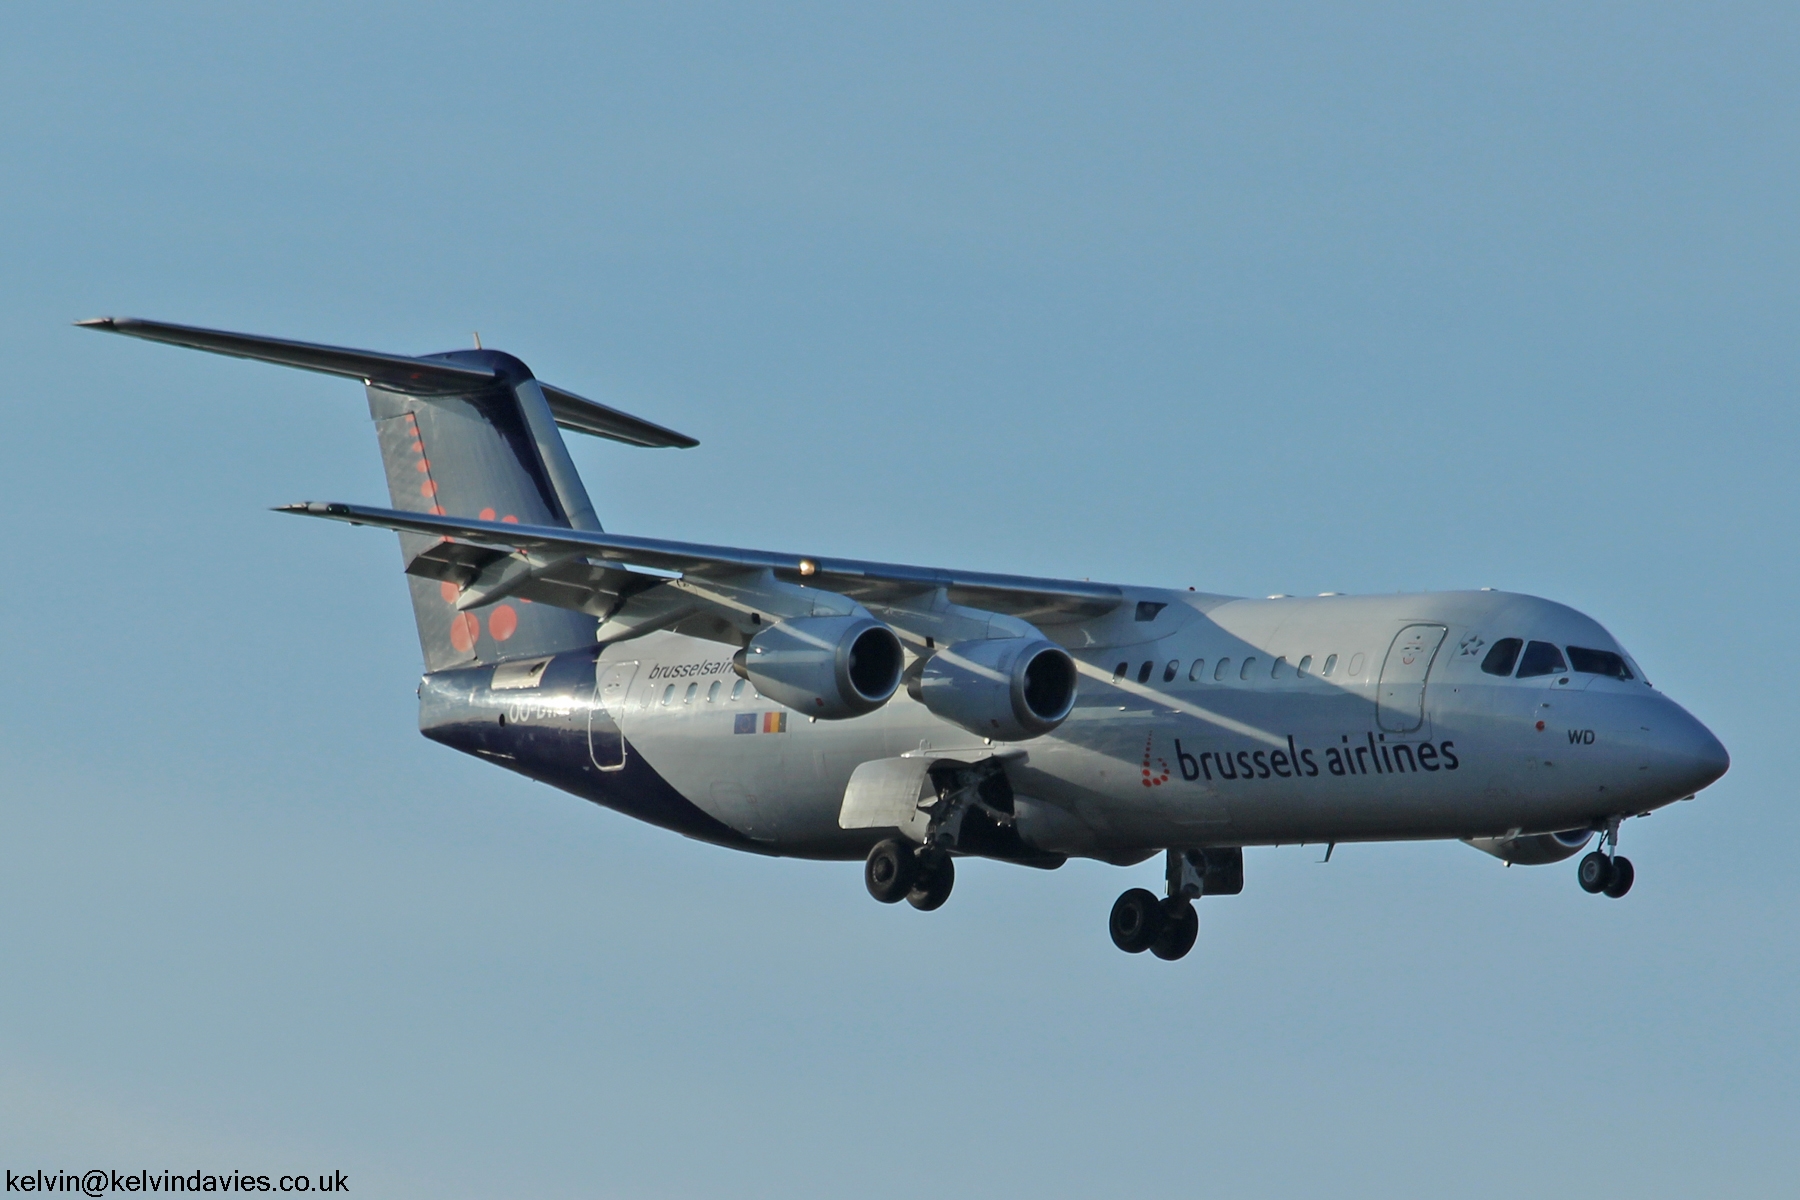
[1697, 758]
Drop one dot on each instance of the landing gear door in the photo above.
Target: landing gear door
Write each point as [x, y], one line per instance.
[606, 743]
[1400, 706]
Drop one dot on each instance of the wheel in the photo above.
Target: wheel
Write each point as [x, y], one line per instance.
[1622, 876]
[1595, 872]
[932, 887]
[890, 871]
[1137, 917]
[1181, 925]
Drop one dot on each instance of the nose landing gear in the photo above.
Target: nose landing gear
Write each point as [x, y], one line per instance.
[1605, 869]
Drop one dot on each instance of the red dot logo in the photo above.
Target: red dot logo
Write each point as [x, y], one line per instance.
[449, 591]
[428, 489]
[487, 514]
[503, 622]
[464, 629]
[1161, 775]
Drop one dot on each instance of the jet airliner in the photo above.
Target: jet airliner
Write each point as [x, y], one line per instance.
[827, 708]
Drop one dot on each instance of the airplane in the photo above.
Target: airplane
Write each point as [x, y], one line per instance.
[826, 708]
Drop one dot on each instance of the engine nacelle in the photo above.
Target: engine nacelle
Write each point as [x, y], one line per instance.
[827, 667]
[1007, 689]
[1535, 849]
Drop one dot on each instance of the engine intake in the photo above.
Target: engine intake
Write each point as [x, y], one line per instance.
[1535, 849]
[828, 667]
[1008, 689]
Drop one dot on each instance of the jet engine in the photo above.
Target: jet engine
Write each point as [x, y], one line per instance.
[1536, 849]
[1007, 689]
[828, 667]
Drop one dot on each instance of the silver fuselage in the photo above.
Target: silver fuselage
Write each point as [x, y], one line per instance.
[1207, 756]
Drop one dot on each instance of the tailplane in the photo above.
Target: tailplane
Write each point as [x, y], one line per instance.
[467, 433]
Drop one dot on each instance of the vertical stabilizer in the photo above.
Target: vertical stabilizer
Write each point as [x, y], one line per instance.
[493, 453]
[469, 433]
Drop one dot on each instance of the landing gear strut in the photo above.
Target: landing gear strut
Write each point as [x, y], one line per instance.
[1605, 869]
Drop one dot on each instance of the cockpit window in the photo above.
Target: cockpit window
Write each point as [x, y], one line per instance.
[1501, 657]
[1541, 658]
[1599, 662]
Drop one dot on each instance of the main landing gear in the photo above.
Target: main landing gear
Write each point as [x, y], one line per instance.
[1167, 926]
[897, 870]
[1605, 869]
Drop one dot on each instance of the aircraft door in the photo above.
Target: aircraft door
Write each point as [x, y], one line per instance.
[1400, 704]
[606, 740]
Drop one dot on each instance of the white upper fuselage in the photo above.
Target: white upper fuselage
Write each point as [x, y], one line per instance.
[1161, 752]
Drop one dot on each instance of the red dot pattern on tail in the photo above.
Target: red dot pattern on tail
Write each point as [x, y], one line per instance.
[464, 629]
[503, 622]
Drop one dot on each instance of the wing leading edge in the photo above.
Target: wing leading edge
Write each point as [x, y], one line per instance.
[1042, 600]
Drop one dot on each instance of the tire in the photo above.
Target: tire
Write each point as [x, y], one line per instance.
[1622, 877]
[890, 870]
[1137, 918]
[1181, 925]
[1594, 873]
[932, 887]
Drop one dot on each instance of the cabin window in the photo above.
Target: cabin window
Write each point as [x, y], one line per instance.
[1330, 665]
[1356, 664]
[1249, 665]
[1541, 658]
[1219, 671]
[668, 693]
[1305, 665]
[712, 693]
[1144, 671]
[1195, 671]
[1279, 669]
[1119, 671]
[1502, 655]
[688, 696]
[1169, 671]
[1599, 662]
[737, 689]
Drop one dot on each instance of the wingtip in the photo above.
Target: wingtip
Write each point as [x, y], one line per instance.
[313, 508]
[98, 323]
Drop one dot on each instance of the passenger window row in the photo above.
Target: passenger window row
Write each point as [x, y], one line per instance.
[1248, 668]
[1545, 658]
[687, 697]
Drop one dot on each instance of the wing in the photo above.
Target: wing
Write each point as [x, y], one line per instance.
[588, 570]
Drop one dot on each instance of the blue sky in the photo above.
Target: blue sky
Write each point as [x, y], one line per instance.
[1262, 299]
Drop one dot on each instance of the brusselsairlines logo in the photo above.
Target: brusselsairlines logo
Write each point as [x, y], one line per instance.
[1368, 756]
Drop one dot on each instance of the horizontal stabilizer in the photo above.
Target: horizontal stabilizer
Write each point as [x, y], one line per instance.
[1033, 599]
[430, 375]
